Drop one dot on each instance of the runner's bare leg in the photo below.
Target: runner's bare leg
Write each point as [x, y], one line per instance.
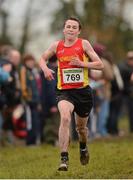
[65, 109]
[81, 128]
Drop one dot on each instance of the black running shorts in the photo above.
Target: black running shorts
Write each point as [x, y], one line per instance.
[82, 99]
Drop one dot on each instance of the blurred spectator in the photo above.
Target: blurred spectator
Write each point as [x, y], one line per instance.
[12, 90]
[126, 70]
[102, 92]
[31, 96]
[50, 112]
[5, 69]
[117, 86]
[5, 78]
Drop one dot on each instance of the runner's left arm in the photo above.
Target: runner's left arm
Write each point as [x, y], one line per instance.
[95, 63]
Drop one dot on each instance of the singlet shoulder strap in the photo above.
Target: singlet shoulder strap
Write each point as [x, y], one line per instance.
[60, 45]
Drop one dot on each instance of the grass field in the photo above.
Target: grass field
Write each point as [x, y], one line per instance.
[110, 159]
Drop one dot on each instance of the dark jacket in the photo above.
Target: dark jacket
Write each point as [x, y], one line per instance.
[30, 91]
[126, 72]
[48, 97]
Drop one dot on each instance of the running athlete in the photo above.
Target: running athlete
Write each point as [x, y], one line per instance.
[73, 91]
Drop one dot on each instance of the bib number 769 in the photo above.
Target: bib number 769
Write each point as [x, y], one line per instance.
[73, 75]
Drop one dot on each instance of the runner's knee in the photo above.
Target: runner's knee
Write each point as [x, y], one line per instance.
[65, 119]
[81, 129]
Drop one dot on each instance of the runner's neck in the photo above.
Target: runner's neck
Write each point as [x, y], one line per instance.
[70, 42]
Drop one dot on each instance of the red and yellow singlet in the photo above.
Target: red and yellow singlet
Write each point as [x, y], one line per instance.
[70, 76]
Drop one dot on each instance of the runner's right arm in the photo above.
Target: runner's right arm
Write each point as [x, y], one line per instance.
[48, 73]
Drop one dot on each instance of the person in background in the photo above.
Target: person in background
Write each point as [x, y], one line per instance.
[12, 90]
[49, 105]
[103, 93]
[73, 91]
[31, 97]
[5, 69]
[117, 86]
[126, 70]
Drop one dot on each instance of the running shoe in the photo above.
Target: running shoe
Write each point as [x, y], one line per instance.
[64, 164]
[84, 156]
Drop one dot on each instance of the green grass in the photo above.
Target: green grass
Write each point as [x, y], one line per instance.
[110, 158]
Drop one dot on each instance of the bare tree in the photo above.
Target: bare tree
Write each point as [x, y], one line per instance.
[1, 2]
[4, 37]
[25, 33]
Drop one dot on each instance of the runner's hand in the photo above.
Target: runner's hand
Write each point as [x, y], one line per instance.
[76, 61]
[48, 73]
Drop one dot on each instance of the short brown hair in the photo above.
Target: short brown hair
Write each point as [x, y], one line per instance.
[5, 50]
[28, 57]
[74, 19]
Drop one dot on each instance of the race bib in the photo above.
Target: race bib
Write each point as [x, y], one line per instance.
[74, 75]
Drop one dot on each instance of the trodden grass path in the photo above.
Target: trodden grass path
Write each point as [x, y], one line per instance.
[110, 158]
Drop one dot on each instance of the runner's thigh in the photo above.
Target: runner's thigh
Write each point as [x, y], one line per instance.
[65, 107]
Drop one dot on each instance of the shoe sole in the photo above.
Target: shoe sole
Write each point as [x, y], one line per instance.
[84, 160]
[63, 167]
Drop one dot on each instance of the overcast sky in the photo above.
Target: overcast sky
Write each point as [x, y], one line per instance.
[17, 8]
[16, 11]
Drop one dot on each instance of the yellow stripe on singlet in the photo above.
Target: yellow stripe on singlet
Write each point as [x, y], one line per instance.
[59, 77]
[86, 78]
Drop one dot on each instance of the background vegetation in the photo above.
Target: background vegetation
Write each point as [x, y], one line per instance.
[107, 22]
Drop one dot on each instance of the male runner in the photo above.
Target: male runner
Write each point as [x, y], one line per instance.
[73, 91]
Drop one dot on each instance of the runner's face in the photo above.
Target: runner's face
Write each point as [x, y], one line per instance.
[71, 29]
